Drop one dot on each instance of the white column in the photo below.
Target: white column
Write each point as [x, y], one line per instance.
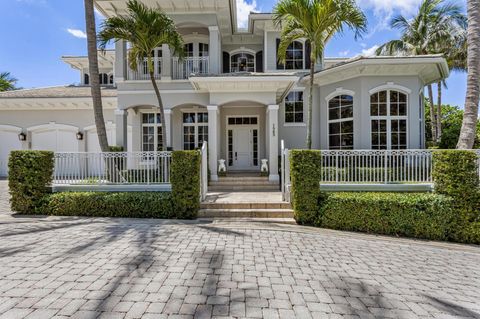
[214, 49]
[168, 127]
[213, 127]
[272, 129]
[121, 128]
[120, 68]
[166, 62]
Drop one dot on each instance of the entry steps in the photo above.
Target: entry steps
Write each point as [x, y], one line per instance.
[243, 183]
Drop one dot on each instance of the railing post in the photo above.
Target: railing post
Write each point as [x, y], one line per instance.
[282, 168]
[386, 168]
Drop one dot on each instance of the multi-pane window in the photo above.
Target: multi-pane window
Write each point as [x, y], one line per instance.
[188, 48]
[294, 107]
[242, 62]
[151, 132]
[195, 129]
[202, 49]
[340, 122]
[388, 111]
[294, 57]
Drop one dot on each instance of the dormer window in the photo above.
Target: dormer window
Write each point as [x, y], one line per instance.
[242, 62]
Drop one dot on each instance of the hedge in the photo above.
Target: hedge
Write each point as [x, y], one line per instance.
[305, 172]
[418, 215]
[104, 204]
[29, 174]
[185, 180]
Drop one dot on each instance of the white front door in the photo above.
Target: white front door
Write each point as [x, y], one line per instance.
[242, 148]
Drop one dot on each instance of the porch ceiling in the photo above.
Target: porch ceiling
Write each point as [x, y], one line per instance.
[278, 84]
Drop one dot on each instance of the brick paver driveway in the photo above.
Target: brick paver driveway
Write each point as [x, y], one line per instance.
[116, 268]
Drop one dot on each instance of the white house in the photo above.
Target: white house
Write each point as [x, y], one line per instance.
[231, 91]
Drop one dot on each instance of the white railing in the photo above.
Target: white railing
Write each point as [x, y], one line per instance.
[204, 171]
[142, 70]
[183, 68]
[285, 171]
[116, 168]
[3, 167]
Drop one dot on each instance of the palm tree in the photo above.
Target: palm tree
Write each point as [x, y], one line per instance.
[144, 29]
[94, 75]
[316, 21]
[7, 82]
[430, 31]
[470, 116]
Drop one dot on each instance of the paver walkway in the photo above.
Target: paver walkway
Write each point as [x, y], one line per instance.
[130, 268]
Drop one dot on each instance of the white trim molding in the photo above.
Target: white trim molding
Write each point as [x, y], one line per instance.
[10, 128]
[390, 86]
[53, 125]
[339, 91]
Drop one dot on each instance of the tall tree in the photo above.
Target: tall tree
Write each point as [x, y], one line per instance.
[94, 75]
[467, 133]
[316, 21]
[7, 82]
[144, 29]
[430, 31]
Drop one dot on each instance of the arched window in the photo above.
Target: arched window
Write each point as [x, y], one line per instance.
[294, 57]
[103, 78]
[388, 111]
[340, 122]
[86, 79]
[242, 62]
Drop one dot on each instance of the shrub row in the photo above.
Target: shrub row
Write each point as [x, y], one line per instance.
[185, 179]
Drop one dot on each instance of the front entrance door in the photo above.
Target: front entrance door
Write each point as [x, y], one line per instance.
[242, 143]
[242, 148]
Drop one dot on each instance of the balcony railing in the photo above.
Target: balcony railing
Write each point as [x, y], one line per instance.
[142, 70]
[183, 68]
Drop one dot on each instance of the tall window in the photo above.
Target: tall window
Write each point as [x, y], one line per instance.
[188, 48]
[340, 122]
[294, 58]
[86, 79]
[294, 107]
[151, 132]
[195, 129]
[388, 111]
[202, 49]
[242, 62]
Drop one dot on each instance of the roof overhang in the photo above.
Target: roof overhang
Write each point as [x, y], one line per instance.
[105, 60]
[278, 84]
[429, 69]
[53, 103]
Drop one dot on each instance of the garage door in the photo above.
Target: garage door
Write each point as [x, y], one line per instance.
[8, 142]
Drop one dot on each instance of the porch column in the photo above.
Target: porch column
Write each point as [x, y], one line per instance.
[212, 141]
[272, 129]
[120, 68]
[168, 127]
[121, 128]
[214, 50]
[166, 62]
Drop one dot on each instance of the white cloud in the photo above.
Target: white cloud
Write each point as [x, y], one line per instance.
[77, 33]
[243, 10]
[344, 53]
[370, 51]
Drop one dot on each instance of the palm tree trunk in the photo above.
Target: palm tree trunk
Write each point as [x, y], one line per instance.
[94, 75]
[160, 103]
[310, 104]
[467, 133]
[433, 117]
[439, 111]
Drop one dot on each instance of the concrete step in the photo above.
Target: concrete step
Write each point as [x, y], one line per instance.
[261, 221]
[280, 205]
[244, 188]
[245, 213]
[236, 179]
[243, 182]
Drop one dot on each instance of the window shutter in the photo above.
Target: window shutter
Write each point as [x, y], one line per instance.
[308, 50]
[259, 61]
[280, 66]
[226, 62]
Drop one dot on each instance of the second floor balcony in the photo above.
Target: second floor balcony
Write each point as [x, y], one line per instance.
[173, 68]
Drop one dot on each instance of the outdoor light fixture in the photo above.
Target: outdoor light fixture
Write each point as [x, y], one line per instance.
[79, 136]
[22, 137]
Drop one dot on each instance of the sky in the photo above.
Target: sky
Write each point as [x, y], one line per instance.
[36, 33]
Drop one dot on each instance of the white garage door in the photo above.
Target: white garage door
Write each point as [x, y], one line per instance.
[8, 142]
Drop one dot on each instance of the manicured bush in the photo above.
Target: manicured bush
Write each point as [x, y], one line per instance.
[418, 215]
[29, 175]
[305, 171]
[185, 180]
[105, 204]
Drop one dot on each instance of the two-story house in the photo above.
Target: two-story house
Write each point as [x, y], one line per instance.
[231, 91]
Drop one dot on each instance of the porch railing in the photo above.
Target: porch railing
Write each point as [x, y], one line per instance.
[183, 68]
[118, 168]
[142, 70]
[204, 171]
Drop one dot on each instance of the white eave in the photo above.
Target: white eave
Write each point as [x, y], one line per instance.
[72, 103]
[429, 69]
[105, 60]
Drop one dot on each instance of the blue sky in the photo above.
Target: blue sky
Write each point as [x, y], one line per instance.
[36, 33]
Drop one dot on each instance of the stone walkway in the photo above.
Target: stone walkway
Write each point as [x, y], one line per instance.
[131, 268]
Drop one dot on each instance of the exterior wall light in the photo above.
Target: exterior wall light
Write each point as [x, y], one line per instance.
[79, 136]
[22, 136]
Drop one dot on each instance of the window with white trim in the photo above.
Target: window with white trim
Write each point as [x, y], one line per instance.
[151, 132]
[388, 111]
[242, 62]
[195, 129]
[294, 107]
[340, 122]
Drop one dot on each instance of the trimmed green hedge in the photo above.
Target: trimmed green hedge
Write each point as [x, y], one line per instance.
[305, 172]
[418, 215]
[185, 179]
[29, 174]
[104, 204]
